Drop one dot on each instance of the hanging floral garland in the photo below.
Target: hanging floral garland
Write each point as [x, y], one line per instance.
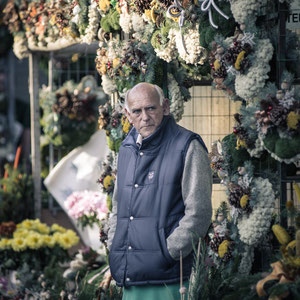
[51, 25]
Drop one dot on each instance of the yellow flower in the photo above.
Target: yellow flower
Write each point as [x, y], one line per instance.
[52, 20]
[223, 248]
[5, 244]
[289, 259]
[292, 120]
[244, 201]
[148, 13]
[22, 232]
[49, 241]
[126, 126]
[71, 116]
[43, 228]
[104, 5]
[289, 204]
[217, 65]
[69, 32]
[239, 59]
[116, 62]
[102, 69]
[107, 181]
[240, 143]
[67, 240]
[34, 241]
[27, 224]
[75, 57]
[18, 244]
[58, 228]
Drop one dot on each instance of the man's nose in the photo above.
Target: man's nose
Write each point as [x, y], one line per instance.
[145, 116]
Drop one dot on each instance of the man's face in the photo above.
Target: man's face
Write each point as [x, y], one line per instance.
[145, 111]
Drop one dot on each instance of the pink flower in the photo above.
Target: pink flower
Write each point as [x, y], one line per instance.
[86, 203]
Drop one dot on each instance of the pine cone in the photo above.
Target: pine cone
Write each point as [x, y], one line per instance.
[235, 195]
[166, 3]
[278, 115]
[142, 5]
[215, 242]
[220, 73]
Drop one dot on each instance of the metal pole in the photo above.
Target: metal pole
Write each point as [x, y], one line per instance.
[11, 96]
[51, 150]
[35, 131]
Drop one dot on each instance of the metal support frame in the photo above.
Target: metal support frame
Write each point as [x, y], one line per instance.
[35, 131]
[280, 67]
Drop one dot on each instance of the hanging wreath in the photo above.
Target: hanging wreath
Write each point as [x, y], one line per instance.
[70, 113]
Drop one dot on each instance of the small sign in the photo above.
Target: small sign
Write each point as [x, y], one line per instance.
[293, 20]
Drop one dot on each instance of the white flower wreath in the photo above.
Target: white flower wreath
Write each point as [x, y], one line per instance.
[253, 227]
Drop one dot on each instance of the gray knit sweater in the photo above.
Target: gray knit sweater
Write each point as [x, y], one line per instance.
[196, 187]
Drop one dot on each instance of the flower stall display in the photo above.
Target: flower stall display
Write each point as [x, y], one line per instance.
[30, 254]
[70, 113]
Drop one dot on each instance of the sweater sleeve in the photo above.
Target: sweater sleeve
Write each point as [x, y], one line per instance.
[112, 218]
[196, 187]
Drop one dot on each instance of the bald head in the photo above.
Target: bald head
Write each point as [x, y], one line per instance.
[145, 107]
[152, 90]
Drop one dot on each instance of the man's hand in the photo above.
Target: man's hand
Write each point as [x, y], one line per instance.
[104, 284]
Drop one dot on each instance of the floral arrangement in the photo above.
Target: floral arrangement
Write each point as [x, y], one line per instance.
[253, 227]
[220, 243]
[94, 17]
[240, 64]
[70, 113]
[249, 85]
[31, 258]
[271, 123]
[125, 63]
[87, 207]
[108, 177]
[16, 192]
[30, 236]
[251, 200]
[247, 11]
[278, 124]
[114, 123]
[57, 23]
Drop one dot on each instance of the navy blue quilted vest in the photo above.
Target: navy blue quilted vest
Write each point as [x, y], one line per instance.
[150, 206]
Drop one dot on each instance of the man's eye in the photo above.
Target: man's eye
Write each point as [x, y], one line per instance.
[136, 111]
[151, 108]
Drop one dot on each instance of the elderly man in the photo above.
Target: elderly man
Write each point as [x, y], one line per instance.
[162, 198]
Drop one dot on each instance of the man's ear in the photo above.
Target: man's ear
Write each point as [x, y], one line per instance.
[166, 106]
[127, 113]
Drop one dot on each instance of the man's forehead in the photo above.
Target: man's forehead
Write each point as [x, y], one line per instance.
[142, 98]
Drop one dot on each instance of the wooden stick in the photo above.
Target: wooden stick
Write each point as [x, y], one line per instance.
[17, 158]
[181, 276]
